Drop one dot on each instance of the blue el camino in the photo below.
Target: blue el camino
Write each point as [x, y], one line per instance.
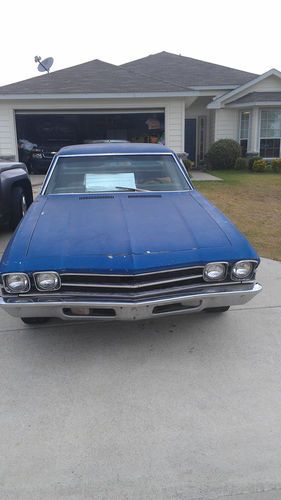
[119, 232]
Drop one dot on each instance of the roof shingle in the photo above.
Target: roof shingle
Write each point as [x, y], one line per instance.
[187, 71]
[258, 97]
[161, 72]
[92, 77]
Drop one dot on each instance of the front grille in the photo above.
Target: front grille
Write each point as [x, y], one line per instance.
[132, 285]
[132, 288]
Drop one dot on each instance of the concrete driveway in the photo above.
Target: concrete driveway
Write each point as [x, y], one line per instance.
[181, 408]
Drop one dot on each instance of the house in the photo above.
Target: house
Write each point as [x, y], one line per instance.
[166, 97]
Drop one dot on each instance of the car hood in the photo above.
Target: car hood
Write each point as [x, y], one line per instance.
[52, 146]
[127, 232]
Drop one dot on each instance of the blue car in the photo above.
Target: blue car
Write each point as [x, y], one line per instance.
[119, 232]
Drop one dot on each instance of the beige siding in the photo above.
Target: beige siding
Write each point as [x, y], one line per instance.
[173, 107]
[198, 108]
[174, 125]
[8, 147]
[227, 124]
[270, 84]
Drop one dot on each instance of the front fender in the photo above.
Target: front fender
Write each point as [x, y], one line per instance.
[8, 180]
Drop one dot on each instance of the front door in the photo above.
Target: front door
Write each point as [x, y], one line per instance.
[190, 138]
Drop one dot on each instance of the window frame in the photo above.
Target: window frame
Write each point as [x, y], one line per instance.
[262, 137]
[244, 111]
[174, 156]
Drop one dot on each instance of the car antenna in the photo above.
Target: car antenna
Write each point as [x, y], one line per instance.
[44, 65]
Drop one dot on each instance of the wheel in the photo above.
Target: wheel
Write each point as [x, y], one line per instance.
[34, 321]
[19, 206]
[217, 309]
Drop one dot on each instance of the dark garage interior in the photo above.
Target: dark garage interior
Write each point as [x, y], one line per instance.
[48, 132]
[41, 134]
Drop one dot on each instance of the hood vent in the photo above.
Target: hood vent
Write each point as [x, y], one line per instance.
[92, 197]
[145, 196]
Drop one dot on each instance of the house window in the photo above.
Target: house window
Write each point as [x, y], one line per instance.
[244, 131]
[270, 133]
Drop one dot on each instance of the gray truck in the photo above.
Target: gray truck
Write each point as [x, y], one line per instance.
[15, 192]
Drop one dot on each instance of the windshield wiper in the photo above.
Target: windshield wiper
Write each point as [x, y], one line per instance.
[131, 189]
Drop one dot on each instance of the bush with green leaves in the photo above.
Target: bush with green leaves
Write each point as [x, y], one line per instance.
[241, 163]
[260, 166]
[188, 164]
[276, 165]
[223, 154]
[252, 160]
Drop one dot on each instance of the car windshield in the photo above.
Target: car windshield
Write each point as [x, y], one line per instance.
[88, 174]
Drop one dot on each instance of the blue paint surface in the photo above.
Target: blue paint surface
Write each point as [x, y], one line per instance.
[125, 233]
[122, 232]
[122, 147]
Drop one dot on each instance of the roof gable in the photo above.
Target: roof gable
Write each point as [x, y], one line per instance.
[239, 91]
[187, 71]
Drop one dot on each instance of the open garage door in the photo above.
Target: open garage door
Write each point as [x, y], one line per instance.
[41, 134]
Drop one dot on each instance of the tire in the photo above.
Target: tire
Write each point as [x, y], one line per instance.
[18, 206]
[34, 321]
[29, 168]
[217, 309]
[33, 169]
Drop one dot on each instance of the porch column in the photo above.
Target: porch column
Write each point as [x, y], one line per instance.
[254, 131]
[174, 125]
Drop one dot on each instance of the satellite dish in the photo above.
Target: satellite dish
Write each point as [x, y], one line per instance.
[44, 65]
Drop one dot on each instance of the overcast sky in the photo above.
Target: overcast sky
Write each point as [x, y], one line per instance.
[243, 34]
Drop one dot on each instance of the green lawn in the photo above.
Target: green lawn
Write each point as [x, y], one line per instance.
[253, 202]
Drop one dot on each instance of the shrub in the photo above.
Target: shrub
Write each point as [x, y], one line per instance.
[260, 166]
[223, 154]
[276, 165]
[188, 164]
[252, 160]
[241, 163]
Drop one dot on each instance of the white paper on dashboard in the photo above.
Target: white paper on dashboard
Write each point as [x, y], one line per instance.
[109, 182]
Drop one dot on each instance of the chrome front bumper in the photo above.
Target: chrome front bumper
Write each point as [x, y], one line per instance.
[62, 307]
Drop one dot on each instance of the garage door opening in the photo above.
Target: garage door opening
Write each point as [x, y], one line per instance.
[40, 135]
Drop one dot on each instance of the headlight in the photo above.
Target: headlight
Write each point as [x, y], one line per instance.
[16, 282]
[215, 271]
[37, 155]
[242, 269]
[47, 281]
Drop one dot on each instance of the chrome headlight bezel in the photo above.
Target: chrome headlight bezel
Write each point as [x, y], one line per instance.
[249, 275]
[54, 274]
[224, 267]
[6, 285]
